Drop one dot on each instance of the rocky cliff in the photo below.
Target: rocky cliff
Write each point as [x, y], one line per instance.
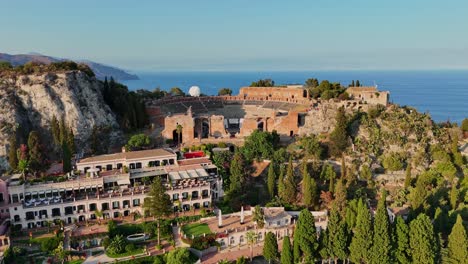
[29, 102]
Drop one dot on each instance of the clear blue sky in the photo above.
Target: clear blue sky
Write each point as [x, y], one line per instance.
[242, 34]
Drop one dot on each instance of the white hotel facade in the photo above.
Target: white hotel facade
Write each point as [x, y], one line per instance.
[116, 185]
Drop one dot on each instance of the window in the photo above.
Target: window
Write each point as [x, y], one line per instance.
[109, 167]
[138, 165]
[92, 207]
[157, 163]
[136, 202]
[171, 161]
[115, 205]
[119, 166]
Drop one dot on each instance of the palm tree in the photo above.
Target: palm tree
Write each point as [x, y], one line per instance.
[98, 214]
[179, 133]
[251, 240]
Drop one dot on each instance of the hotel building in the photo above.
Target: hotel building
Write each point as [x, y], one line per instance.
[115, 185]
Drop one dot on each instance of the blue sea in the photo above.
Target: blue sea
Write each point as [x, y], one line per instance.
[443, 94]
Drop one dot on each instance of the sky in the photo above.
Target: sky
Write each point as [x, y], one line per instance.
[242, 34]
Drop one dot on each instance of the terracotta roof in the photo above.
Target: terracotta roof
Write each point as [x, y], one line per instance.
[362, 89]
[128, 155]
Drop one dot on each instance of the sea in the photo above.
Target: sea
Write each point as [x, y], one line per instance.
[443, 94]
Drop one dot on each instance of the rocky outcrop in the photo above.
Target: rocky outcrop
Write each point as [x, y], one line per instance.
[29, 102]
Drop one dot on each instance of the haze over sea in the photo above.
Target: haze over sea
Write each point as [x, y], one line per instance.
[443, 93]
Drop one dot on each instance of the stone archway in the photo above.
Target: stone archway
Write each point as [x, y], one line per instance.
[260, 125]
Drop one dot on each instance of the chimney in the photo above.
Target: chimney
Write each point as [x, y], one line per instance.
[123, 149]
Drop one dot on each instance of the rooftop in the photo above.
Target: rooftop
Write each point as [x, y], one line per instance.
[128, 155]
[362, 89]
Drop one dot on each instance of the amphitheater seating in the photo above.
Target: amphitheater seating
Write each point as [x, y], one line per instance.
[213, 104]
[197, 106]
[252, 102]
[272, 105]
[173, 108]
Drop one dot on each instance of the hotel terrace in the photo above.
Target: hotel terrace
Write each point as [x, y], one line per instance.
[116, 185]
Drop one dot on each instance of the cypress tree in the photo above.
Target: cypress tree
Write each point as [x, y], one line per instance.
[408, 177]
[337, 236]
[63, 131]
[55, 129]
[402, 239]
[270, 247]
[66, 155]
[441, 221]
[306, 186]
[358, 84]
[324, 250]
[71, 141]
[290, 184]
[340, 197]
[237, 177]
[454, 196]
[35, 153]
[361, 243]
[305, 238]
[12, 155]
[353, 84]
[381, 247]
[339, 136]
[458, 243]
[286, 253]
[343, 167]
[422, 241]
[281, 186]
[271, 180]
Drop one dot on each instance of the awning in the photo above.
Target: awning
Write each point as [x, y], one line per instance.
[123, 182]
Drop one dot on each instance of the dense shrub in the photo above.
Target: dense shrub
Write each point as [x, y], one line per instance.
[204, 242]
[117, 245]
[49, 244]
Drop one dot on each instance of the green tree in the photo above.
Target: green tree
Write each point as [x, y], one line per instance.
[176, 91]
[393, 162]
[402, 241]
[339, 136]
[263, 83]
[340, 196]
[290, 189]
[251, 240]
[259, 145]
[63, 135]
[258, 216]
[271, 180]
[458, 243]
[270, 247]
[178, 255]
[381, 247]
[422, 241]
[361, 242]
[338, 237]
[158, 203]
[305, 238]
[138, 141]
[464, 125]
[286, 252]
[36, 157]
[94, 141]
[454, 196]
[12, 155]
[408, 177]
[281, 186]
[366, 173]
[307, 192]
[60, 253]
[224, 91]
[311, 83]
[66, 158]
[238, 175]
[71, 141]
[312, 146]
[55, 129]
